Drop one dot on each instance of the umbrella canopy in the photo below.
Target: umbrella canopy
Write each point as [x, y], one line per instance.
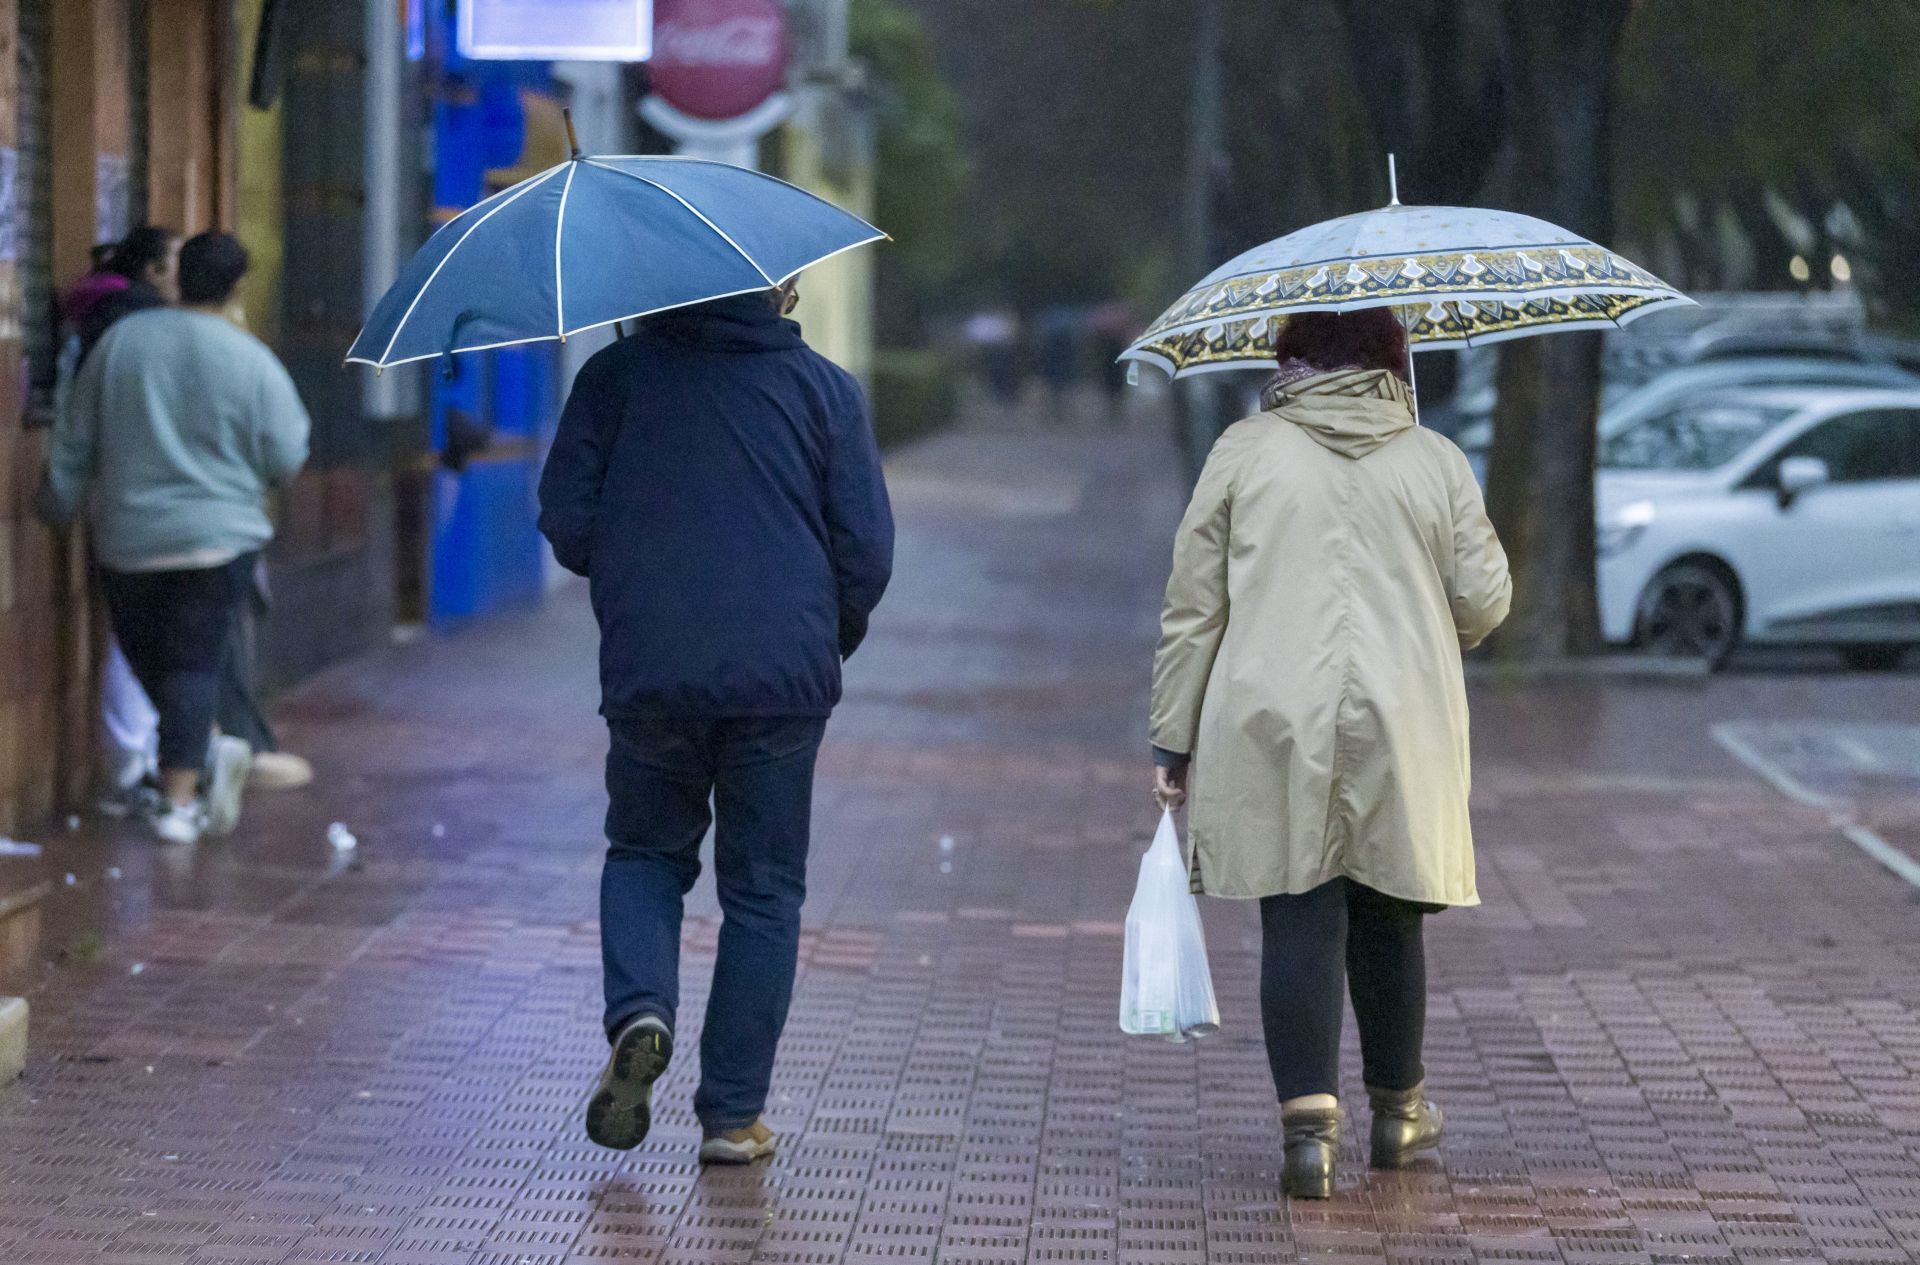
[1456, 276]
[598, 240]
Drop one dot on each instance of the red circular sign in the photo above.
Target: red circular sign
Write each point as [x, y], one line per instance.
[718, 59]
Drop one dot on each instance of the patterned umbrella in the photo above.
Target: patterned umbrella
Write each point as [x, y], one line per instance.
[1456, 277]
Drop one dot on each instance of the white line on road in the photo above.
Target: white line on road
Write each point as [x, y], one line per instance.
[1859, 752]
[1781, 780]
[1838, 812]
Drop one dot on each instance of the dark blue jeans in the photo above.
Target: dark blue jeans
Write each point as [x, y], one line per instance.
[667, 781]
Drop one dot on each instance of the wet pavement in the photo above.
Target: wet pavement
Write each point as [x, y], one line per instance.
[1685, 1026]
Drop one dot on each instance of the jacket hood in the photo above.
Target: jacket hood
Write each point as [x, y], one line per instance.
[1354, 412]
[740, 323]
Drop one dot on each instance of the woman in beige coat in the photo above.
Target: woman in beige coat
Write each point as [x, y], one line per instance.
[1333, 565]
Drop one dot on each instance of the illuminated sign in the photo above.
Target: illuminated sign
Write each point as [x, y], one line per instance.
[556, 30]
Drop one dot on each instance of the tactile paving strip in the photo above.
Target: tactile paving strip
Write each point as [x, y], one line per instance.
[1684, 1028]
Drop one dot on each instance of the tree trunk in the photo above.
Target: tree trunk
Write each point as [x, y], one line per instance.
[1429, 74]
[1540, 481]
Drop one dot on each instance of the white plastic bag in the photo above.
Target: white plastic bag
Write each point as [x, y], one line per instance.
[1165, 987]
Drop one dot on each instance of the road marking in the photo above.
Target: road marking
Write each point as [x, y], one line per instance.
[1838, 813]
[1859, 752]
[1786, 783]
[1882, 851]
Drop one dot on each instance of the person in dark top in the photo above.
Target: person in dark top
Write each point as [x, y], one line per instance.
[718, 483]
[149, 259]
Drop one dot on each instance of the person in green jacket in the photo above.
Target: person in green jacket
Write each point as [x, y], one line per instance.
[177, 427]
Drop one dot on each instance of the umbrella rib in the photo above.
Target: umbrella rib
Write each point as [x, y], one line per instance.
[769, 177]
[878, 236]
[697, 214]
[427, 284]
[559, 229]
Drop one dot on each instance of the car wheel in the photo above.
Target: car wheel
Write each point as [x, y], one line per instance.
[1876, 658]
[1691, 611]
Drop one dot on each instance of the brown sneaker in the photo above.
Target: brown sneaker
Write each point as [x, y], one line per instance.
[621, 1109]
[279, 771]
[738, 1146]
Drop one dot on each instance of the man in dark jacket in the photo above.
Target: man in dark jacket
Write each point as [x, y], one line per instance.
[717, 482]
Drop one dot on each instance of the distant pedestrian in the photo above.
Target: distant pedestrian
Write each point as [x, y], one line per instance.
[718, 483]
[993, 335]
[177, 427]
[1056, 333]
[1334, 563]
[136, 274]
[139, 272]
[1114, 328]
[146, 262]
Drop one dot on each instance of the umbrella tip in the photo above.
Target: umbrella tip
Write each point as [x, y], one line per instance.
[573, 138]
[1393, 175]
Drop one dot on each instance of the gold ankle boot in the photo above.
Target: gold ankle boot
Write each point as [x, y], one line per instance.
[1404, 1124]
[1313, 1144]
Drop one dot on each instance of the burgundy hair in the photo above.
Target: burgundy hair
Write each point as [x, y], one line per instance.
[1370, 338]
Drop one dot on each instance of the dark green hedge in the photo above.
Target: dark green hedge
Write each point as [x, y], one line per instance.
[914, 394]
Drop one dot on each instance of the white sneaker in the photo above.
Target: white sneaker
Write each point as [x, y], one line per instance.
[230, 760]
[178, 823]
[279, 771]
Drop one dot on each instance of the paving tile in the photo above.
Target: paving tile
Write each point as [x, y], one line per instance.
[1685, 1026]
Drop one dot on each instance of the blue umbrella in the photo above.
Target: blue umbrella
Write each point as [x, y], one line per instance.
[599, 240]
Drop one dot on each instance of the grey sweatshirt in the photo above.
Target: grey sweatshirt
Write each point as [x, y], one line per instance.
[175, 429]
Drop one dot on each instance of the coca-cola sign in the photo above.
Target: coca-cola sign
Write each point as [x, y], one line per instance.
[718, 59]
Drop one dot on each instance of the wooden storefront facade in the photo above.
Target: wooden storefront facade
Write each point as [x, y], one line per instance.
[112, 112]
[115, 113]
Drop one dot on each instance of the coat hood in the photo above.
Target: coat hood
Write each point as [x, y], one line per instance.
[1353, 412]
[740, 323]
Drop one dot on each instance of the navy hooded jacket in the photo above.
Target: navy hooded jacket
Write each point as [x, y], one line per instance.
[717, 482]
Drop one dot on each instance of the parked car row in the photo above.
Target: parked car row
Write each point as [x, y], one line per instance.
[1760, 500]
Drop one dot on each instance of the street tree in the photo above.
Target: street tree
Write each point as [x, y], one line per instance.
[1561, 68]
[922, 161]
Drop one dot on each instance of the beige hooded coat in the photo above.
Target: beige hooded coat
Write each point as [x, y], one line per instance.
[1333, 564]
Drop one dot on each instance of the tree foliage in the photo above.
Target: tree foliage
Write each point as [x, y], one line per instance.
[1727, 108]
[922, 161]
[1074, 115]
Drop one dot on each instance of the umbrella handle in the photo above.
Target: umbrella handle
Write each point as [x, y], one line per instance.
[448, 370]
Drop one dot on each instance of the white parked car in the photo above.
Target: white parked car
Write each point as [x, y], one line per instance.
[1627, 407]
[1780, 515]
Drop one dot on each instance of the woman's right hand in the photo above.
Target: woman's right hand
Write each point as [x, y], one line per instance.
[1169, 787]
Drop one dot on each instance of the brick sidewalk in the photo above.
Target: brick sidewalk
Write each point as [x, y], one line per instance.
[1685, 1026]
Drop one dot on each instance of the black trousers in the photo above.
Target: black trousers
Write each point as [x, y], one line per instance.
[237, 711]
[1315, 948]
[174, 627]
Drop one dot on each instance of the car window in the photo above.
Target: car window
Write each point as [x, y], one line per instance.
[1863, 447]
[1696, 435]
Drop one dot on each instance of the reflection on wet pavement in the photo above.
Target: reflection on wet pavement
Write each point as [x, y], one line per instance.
[1685, 1024]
